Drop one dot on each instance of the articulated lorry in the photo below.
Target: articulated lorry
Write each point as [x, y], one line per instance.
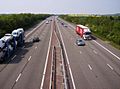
[9, 43]
[84, 32]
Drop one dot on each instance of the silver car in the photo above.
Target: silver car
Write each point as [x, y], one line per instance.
[80, 42]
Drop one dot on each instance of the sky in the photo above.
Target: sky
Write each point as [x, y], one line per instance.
[60, 6]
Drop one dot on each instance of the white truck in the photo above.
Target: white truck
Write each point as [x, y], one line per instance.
[19, 35]
[9, 43]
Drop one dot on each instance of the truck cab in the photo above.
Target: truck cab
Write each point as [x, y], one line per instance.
[15, 33]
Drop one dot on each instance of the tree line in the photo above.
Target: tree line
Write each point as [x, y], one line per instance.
[9, 22]
[105, 27]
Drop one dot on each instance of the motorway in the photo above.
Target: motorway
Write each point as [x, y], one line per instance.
[93, 66]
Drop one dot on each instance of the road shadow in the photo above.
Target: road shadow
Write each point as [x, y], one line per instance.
[93, 37]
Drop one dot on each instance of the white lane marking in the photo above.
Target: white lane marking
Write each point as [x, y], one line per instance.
[74, 87]
[13, 57]
[107, 50]
[34, 29]
[89, 67]
[18, 77]
[75, 44]
[29, 58]
[95, 52]
[110, 66]
[41, 87]
[80, 52]
[36, 47]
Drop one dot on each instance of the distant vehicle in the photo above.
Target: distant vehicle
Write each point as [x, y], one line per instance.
[84, 32]
[47, 22]
[80, 42]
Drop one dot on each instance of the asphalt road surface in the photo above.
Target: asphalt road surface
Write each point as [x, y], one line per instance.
[93, 66]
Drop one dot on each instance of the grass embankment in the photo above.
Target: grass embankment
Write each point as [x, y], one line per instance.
[106, 28]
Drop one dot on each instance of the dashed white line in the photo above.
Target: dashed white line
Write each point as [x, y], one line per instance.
[13, 57]
[29, 58]
[107, 50]
[36, 47]
[110, 66]
[95, 52]
[80, 52]
[18, 77]
[89, 67]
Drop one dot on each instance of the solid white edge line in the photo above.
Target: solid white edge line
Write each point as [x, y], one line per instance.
[101, 45]
[51, 69]
[18, 77]
[95, 51]
[34, 29]
[14, 57]
[110, 66]
[67, 58]
[107, 50]
[29, 58]
[90, 67]
[46, 60]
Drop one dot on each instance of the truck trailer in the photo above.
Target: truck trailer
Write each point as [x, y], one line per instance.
[10, 42]
[8, 47]
[84, 32]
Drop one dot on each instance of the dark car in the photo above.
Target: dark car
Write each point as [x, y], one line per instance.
[80, 42]
[36, 39]
[65, 26]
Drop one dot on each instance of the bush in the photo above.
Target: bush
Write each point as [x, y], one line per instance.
[107, 27]
[9, 22]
